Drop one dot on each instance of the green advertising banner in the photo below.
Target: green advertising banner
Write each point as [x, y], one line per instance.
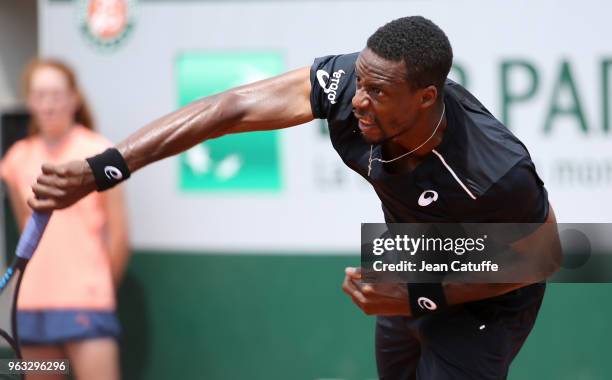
[234, 163]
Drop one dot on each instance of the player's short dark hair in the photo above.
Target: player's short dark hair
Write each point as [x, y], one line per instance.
[421, 44]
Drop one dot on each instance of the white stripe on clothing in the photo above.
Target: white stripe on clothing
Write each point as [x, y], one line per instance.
[454, 175]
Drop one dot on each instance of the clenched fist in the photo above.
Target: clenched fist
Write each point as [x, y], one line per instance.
[376, 299]
[60, 186]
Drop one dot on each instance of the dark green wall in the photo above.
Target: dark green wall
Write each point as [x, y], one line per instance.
[242, 317]
[193, 316]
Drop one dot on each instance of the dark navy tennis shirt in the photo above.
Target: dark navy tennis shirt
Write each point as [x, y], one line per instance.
[479, 173]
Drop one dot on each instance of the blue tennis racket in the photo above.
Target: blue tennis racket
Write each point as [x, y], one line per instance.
[9, 286]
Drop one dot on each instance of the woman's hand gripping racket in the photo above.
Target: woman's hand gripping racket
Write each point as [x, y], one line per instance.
[10, 282]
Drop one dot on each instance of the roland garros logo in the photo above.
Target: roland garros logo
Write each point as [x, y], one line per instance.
[107, 22]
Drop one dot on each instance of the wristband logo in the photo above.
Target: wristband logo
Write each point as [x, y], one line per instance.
[426, 303]
[113, 173]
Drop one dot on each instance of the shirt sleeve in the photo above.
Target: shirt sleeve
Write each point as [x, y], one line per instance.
[91, 143]
[332, 80]
[101, 143]
[526, 198]
[519, 200]
[10, 163]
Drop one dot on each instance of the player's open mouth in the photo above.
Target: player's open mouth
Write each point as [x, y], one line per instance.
[365, 124]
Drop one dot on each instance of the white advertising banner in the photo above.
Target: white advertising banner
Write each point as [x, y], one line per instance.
[543, 67]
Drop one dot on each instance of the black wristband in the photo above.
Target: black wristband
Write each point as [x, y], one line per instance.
[109, 168]
[426, 298]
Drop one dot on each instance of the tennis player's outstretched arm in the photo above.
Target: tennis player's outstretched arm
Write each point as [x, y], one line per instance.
[274, 103]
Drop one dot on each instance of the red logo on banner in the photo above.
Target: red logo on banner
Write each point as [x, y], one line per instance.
[107, 19]
[107, 22]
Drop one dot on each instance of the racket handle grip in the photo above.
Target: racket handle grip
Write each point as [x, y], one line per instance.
[34, 229]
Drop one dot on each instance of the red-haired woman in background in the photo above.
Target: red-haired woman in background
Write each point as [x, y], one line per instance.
[66, 306]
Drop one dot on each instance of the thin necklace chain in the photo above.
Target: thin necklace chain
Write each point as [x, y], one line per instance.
[405, 154]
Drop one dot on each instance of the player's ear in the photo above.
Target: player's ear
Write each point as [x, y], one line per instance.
[429, 95]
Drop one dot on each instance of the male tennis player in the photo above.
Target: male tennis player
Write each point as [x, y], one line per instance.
[431, 151]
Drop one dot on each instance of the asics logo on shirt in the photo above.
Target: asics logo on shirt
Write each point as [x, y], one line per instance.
[331, 88]
[427, 198]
